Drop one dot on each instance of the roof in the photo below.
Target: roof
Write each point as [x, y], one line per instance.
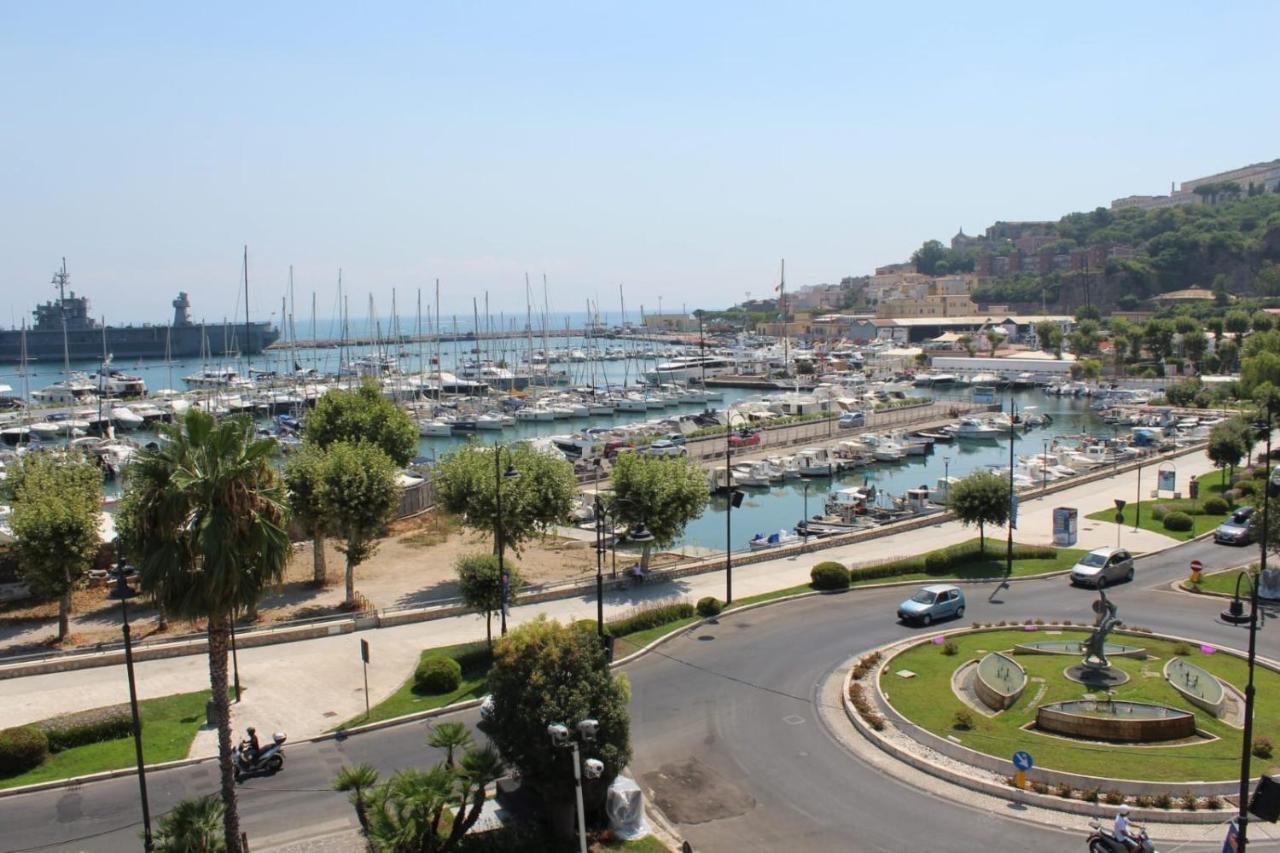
[939, 587]
[985, 319]
[1188, 295]
[947, 338]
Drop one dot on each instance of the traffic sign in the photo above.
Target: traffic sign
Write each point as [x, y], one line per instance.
[1022, 760]
[1119, 505]
[1197, 566]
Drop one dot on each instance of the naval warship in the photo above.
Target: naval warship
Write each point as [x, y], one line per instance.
[63, 328]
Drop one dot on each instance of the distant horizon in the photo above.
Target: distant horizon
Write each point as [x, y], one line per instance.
[678, 150]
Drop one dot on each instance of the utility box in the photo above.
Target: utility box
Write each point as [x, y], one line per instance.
[1065, 526]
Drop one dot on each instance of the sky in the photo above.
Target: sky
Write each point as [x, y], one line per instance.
[676, 150]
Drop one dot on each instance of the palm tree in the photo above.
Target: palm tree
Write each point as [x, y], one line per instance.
[192, 827]
[206, 523]
[358, 780]
[449, 736]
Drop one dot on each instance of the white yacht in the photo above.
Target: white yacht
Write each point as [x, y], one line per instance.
[975, 429]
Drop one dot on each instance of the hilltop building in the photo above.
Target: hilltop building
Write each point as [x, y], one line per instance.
[1260, 177]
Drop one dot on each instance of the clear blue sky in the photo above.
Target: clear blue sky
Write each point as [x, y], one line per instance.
[679, 149]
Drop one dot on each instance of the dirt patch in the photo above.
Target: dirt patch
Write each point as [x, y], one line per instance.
[691, 793]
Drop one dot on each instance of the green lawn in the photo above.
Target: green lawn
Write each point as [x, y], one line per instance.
[407, 700]
[1223, 582]
[1202, 523]
[632, 643]
[169, 724]
[928, 700]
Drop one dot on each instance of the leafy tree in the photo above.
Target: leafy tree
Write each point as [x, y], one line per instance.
[662, 493]
[1091, 369]
[361, 494]
[994, 337]
[55, 523]
[1215, 326]
[1158, 336]
[1228, 356]
[967, 342]
[1228, 443]
[304, 478]
[450, 737]
[1261, 321]
[411, 811]
[1087, 312]
[1182, 324]
[1195, 344]
[981, 498]
[1049, 336]
[1237, 323]
[1119, 352]
[480, 585]
[192, 826]
[544, 673]
[363, 415]
[1258, 369]
[541, 496]
[928, 256]
[207, 528]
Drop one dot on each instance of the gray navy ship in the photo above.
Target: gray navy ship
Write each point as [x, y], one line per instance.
[64, 327]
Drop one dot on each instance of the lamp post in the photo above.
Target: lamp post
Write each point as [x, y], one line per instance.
[599, 567]
[498, 476]
[1234, 614]
[728, 518]
[805, 480]
[1044, 468]
[1013, 507]
[123, 592]
[562, 738]
[946, 476]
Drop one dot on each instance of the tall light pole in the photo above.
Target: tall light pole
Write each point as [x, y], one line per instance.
[806, 508]
[946, 476]
[498, 476]
[728, 518]
[562, 738]
[599, 568]
[123, 592]
[1234, 615]
[1013, 507]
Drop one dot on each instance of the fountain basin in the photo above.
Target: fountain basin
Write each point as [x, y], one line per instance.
[1115, 720]
[1076, 647]
[1197, 685]
[999, 681]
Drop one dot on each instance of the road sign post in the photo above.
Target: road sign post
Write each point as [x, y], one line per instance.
[364, 659]
[1196, 568]
[1021, 764]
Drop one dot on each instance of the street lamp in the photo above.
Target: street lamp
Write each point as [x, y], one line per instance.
[1044, 467]
[1013, 506]
[946, 476]
[562, 738]
[1234, 614]
[805, 480]
[498, 476]
[123, 592]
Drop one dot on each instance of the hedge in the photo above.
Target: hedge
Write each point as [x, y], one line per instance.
[86, 727]
[709, 607]
[652, 617]
[829, 575]
[21, 749]
[945, 559]
[1215, 506]
[437, 675]
[475, 657]
[1178, 522]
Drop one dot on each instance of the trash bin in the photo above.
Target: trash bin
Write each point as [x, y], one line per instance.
[210, 712]
[1194, 488]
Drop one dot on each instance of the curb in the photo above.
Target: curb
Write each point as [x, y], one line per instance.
[1004, 792]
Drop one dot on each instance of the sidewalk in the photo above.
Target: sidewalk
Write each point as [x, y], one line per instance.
[308, 687]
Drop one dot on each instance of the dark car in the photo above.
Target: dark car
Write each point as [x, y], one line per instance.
[1236, 530]
[744, 438]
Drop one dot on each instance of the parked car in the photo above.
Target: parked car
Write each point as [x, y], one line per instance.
[675, 437]
[936, 601]
[665, 447]
[1102, 566]
[1236, 530]
[744, 438]
[852, 419]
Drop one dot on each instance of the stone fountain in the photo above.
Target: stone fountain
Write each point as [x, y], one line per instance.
[1095, 670]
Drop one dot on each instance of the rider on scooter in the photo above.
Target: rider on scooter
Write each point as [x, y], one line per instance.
[254, 749]
[1122, 831]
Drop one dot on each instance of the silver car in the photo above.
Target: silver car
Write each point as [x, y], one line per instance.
[1103, 566]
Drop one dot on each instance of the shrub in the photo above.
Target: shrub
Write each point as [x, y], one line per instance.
[937, 562]
[85, 727]
[1159, 511]
[1182, 649]
[1189, 801]
[1144, 801]
[650, 617]
[21, 749]
[865, 665]
[1114, 797]
[858, 698]
[1064, 790]
[1246, 488]
[962, 720]
[949, 648]
[1213, 801]
[1215, 506]
[1164, 801]
[1178, 522]
[478, 657]
[437, 675]
[829, 575]
[709, 607]
[1091, 795]
[1263, 747]
[1040, 787]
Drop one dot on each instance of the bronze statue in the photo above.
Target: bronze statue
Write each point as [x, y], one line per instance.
[1095, 647]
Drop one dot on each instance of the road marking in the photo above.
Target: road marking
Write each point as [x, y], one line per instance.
[793, 720]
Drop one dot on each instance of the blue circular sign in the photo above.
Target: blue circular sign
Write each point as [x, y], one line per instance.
[1022, 760]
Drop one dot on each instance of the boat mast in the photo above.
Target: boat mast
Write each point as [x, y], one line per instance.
[248, 347]
[60, 279]
[782, 300]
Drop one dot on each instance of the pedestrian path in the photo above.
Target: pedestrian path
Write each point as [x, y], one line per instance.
[308, 687]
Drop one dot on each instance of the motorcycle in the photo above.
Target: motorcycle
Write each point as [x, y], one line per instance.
[270, 758]
[1101, 840]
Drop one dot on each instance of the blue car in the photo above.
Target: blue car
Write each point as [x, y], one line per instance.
[936, 601]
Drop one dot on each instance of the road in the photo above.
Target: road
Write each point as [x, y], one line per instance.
[728, 714]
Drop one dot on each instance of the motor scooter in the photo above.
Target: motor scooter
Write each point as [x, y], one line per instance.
[270, 758]
[1101, 840]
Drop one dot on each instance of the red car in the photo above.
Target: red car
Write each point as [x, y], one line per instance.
[744, 438]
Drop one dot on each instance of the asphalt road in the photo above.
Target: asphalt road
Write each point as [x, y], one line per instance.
[726, 729]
